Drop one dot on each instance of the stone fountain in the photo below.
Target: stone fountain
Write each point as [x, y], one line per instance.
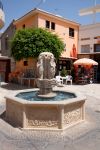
[46, 71]
[42, 108]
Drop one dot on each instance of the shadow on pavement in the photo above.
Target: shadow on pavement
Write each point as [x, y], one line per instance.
[12, 86]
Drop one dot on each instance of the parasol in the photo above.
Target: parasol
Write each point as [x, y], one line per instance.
[85, 61]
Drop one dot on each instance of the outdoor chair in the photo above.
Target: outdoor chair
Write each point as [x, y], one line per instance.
[69, 79]
[59, 80]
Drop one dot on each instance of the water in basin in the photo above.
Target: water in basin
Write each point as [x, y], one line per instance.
[32, 96]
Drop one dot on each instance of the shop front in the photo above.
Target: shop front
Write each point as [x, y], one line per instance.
[65, 64]
[96, 57]
[85, 71]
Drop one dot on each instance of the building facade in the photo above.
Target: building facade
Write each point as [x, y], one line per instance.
[6, 37]
[89, 43]
[4, 61]
[67, 30]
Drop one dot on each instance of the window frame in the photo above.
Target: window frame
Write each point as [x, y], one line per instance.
[47, 24]
[23, 26]
[71, 32]
[52, 25]
[25, 62]
[85, 48]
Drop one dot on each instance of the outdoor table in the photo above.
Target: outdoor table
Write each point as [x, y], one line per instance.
[63, 79]
[29, 80]
[66, 79]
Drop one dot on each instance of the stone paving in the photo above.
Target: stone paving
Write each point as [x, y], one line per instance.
[84, 136]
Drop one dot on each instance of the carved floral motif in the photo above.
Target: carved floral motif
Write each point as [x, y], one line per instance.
[43, 123]
[72, 116]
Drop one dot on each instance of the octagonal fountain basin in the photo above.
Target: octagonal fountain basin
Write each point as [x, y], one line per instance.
[28, 111]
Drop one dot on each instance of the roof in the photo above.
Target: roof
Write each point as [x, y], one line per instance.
[36, 11]
[68, 58]
[65, 55]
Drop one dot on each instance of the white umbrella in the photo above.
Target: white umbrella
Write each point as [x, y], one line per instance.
[85, 61]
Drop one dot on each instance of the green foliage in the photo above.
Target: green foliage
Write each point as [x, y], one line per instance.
[31, 42]
[63, 72]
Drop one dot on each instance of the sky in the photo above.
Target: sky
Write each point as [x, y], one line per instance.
[68, 9]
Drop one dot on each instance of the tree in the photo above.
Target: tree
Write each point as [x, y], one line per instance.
[31, 42]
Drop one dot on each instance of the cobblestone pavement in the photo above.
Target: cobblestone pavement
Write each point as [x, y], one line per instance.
[84, 136]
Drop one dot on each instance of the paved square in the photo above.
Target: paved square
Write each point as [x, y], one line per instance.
[83, 136]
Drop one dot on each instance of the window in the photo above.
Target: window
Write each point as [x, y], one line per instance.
[85, 48]
[71, 32]
[25, 63]
[64, 64]
[23, 26]
[96, 47]
[52, 25]
[47, 24]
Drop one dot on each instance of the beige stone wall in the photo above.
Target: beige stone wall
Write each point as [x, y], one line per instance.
[31, 64]
[89, 32]
[14, 113]
[73, 113]
[44, 116]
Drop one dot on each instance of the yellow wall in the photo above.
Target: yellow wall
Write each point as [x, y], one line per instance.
[29, 22]
[62, 30]
[31, 64]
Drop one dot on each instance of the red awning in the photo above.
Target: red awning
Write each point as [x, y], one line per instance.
[65, 55]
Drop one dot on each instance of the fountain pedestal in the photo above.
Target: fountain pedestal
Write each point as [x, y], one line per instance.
[45, 88]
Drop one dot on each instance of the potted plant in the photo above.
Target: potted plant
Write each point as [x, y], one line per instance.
[63, 72]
